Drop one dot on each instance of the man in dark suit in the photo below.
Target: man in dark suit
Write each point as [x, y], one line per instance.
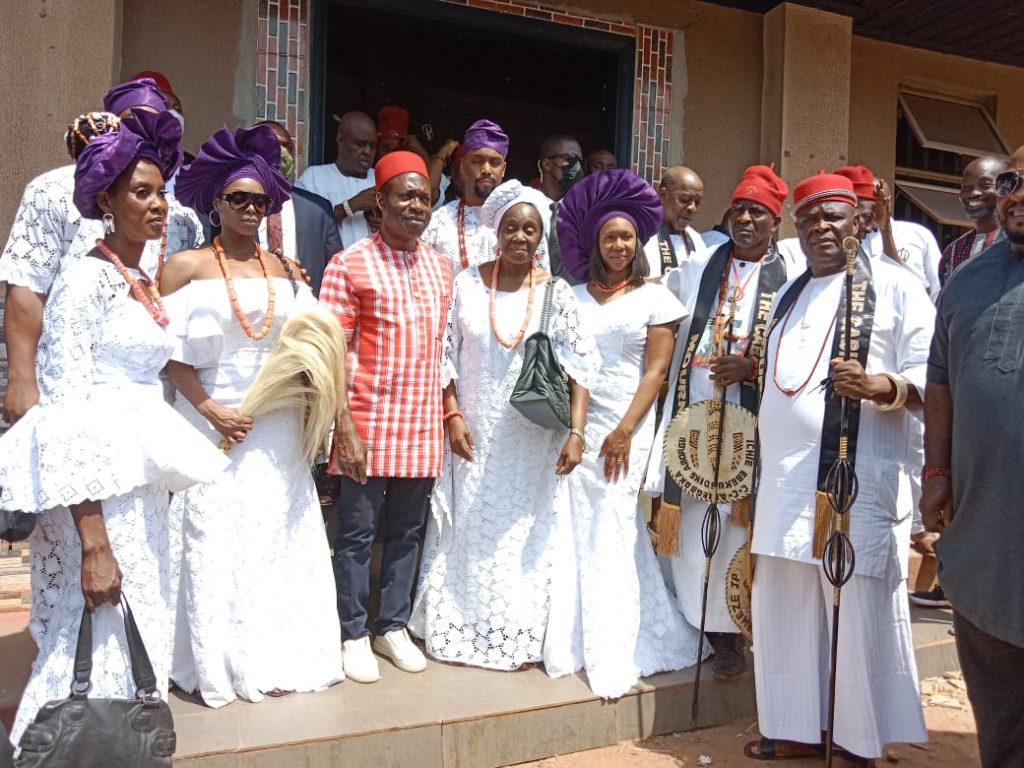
[305, 229]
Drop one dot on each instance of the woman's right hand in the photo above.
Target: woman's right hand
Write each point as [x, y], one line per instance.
[460, 439]
[101, 578]
[229, 422]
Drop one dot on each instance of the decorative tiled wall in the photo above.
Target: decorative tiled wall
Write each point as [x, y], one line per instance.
[652, 89]
[652, 102]
[282, 46]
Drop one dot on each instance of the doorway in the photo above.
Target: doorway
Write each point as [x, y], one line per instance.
[449, 65]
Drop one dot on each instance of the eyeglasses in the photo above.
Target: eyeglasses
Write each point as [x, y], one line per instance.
[1007, 183]
[569, 158]
[240, 200]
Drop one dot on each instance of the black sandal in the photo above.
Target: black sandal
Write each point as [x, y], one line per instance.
[766, 750]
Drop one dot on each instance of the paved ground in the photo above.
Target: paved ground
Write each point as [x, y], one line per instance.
[947, 714]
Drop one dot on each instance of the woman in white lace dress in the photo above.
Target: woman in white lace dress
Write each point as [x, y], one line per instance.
[614, 616]
[256, 605]
[484, 590]
[99, 453]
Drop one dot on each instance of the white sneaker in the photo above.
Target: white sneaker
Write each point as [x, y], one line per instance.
[359, 662]
[398, 646]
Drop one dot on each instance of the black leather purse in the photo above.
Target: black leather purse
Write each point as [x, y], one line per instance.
[16, 526]
[79, 732]
[541, 393]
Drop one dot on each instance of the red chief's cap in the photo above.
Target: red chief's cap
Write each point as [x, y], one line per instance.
[862, 177]
[392, 122]
[760, 184]
[395, 164]
[823, 187]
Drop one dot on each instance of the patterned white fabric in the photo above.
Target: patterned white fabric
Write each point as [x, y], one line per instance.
[611, 613]
[485, 583]
[101, 431]
[48, 232]
[442, 234]
[256, 608]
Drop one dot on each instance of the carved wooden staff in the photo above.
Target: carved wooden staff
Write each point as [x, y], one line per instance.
[711, 527]
[841, 488]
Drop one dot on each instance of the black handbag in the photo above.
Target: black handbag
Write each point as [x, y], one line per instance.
[79, 732]
[16, 526]
[541, 393]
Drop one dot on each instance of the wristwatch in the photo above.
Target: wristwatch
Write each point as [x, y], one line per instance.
[579, 433]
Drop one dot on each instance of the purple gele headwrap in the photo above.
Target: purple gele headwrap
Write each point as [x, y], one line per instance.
[143, 92]
[484, 134]
[246, 153]
[156, 137]
[596, 199]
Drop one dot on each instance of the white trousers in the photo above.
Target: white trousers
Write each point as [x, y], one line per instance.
[877, 696]
[688, 567]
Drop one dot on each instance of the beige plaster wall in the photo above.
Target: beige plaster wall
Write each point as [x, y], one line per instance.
[206, 49]
[57, 59]
[721, 126]
[879, 69]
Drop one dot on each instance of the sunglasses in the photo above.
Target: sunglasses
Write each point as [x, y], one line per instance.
[1007, 183]
[240, 200]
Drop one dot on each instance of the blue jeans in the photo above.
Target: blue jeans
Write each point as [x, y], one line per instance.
[404, 504]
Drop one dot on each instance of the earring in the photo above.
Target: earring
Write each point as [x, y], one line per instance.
[108, 224]
[214, 222]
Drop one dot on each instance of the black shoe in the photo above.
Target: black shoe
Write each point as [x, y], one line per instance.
[934, 598]
[729, 660]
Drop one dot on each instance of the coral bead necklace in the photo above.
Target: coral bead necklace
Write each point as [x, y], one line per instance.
[268, 317]
[529, 307]
[147, 296]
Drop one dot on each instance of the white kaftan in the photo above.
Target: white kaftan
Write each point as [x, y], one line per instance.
[652, 249]
[611, 612]
[256, 608]
[330, 183]
[876, 653]
[101, 431]
[485, 582]
[49, 232]
[688, 565]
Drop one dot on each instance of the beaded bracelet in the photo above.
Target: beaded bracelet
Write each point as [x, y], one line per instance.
[929, 472]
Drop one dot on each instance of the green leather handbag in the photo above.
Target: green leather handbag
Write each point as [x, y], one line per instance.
[541, 393]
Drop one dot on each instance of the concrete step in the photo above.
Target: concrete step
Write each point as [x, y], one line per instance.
[457, 717]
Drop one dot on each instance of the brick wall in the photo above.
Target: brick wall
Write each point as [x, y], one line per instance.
[282, 46]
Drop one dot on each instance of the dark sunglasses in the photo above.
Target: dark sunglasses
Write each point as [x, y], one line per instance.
[240, 200]
[1007, 183]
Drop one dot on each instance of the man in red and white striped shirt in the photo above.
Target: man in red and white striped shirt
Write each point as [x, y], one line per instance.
[391, 294]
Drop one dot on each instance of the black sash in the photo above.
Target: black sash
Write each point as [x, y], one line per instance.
[714, 276]
[667, 251]
[862, 321]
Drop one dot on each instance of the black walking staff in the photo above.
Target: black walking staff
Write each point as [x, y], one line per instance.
[841, 488]
[711, 528]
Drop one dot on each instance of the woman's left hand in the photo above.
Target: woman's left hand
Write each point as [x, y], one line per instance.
[571, 455]
[615, 450]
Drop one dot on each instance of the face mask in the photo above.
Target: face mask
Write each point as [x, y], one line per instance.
[571, 173]
[287, 164]
[179, 117]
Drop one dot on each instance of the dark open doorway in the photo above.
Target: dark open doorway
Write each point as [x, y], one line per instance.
[449, 65]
